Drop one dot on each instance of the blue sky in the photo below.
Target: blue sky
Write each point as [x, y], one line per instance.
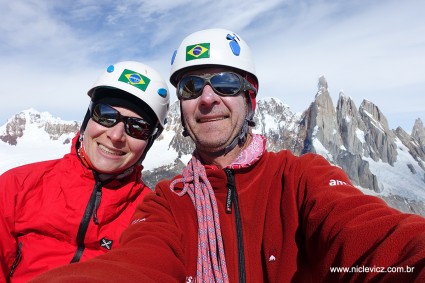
[51, 52]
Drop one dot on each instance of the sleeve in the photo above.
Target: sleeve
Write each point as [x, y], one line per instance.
[345, 228]
[8, 242]
[150, 251]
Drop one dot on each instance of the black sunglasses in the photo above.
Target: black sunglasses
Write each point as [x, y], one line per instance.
[108, 116]
[224, 84]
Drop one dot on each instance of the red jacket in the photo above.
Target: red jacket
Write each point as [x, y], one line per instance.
[301, 217]
[43, 221]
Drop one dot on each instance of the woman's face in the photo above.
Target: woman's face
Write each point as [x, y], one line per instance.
[112, 150]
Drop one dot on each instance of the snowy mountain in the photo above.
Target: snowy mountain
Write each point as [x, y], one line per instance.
[32, 136]
[383, 162]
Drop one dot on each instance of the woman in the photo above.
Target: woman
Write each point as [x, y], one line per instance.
[67, 210]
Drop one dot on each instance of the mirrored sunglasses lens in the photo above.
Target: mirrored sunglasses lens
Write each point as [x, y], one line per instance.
[190, 87]
[137, 128]
[226, 83]
[105, 115]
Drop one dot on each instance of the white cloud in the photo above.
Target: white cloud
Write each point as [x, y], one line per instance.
[372, 50]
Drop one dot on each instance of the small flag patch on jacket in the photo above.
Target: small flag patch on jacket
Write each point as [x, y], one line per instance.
[135, 79]
[197, 51]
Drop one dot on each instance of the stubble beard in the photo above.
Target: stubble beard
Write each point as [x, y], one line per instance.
[207, 144]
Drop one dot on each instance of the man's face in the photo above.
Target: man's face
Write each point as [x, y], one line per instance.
[213, 121]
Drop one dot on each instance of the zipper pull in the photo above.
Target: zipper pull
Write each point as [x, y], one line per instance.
[230, 190]
[229, 201]
[97, 202]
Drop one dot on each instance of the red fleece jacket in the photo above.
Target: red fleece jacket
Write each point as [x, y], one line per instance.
[301, 217]
[42, 206]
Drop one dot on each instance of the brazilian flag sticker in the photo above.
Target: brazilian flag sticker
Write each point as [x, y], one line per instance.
[135, 79]
[197, 51]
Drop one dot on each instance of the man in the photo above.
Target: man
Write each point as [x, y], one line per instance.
[68, 210]
[241, 214]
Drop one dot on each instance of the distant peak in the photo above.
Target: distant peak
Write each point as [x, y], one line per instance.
[270, 99]
[418, 122]
[322, 84]
[31, 110]
[418, 131]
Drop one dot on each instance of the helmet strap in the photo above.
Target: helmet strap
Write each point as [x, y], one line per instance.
[249, 121]
[185, 133]
[148, 146]
[82, 153]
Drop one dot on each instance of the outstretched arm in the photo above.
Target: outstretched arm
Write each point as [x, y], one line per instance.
[345, 228]
[150, 251]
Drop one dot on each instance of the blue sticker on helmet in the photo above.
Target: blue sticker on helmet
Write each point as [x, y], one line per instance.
[234, 45]
[110, 69]
[174, 57]
[162, 92]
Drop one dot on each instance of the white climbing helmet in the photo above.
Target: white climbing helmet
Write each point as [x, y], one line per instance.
[217, 47]
[140, 80]
[212, 47]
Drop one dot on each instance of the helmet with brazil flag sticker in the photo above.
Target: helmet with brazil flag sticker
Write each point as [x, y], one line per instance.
[141, 83]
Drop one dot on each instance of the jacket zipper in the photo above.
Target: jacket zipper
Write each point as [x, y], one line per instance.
[232, 197]
[17, 260]
[91, 209]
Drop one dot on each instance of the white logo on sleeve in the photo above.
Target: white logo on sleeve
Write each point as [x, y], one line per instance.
[333, 182]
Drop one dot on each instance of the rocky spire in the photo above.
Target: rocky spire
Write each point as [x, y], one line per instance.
[322, 120]
[380, 140]
[350, 124]
[418, 133]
